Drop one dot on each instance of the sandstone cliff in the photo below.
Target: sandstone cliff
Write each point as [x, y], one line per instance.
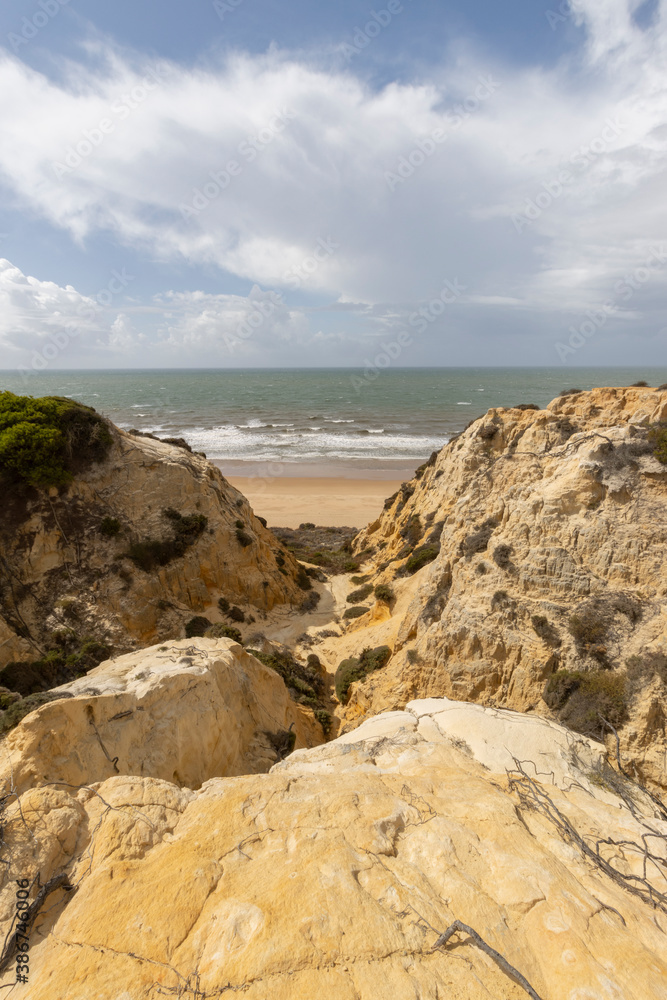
[528, 562]
[335, 874]
[129, 550]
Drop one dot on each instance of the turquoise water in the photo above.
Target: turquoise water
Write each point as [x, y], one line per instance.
[322, 421]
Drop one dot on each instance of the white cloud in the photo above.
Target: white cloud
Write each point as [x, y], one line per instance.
[34, 312]
[312, 149]
[42, 323]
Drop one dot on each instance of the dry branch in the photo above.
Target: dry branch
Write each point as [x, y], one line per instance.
[534, 797]
[460, 928]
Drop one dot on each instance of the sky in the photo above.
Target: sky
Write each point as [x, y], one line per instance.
[237, 183]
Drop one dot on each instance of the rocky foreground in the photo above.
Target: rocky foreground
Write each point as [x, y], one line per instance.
[336, 873]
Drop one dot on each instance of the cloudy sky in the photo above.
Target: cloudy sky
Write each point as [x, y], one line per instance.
[250, 182]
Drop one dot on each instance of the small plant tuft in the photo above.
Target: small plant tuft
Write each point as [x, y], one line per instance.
[243, 538]
[219, 631]
[355, 612]
[420, 557]
[110, 527]
[197, 627]
[359, 595]
[356, 668]
[383, 592]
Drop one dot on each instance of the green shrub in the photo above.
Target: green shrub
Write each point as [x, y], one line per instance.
[302, 578]
[262, 521]
[359, 580]
[242, 538]
[359, 595]
[283, 742]
[151, 553]
[383, 592]
[355, 669]
[12, 715]
[110, 526]
[587, 627]
[355, 612]
[420, 557]
[67, 658]
[478, 540]
[223, 604]
[412, 530]
[501, 556]
[546, 631]
[197, 627]
[236, 614]
[413, 656]
[239, 524]
[657, 436]
[45, 441]
[310, 602]
[306, 526]
[303, 682]
[324, 719]
[219, 631]
[584, 700]
[350, 566]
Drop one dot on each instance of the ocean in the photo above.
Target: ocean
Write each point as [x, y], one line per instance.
[314, 422]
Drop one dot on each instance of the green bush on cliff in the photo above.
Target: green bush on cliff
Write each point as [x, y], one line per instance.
[44, 441]
[68, 657]
[151, 553]
[359, 595]
[584, 701]
[356, 668]
[383, 592]
[420, 557]
[197, 627]
[219, 631]
[657, 436]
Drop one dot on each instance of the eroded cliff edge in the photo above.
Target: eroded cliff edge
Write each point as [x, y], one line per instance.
[131, 545]
[526, 566]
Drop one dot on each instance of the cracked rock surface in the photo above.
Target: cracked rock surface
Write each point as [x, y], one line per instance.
[534, 519]
[333, 875]
[184, 711]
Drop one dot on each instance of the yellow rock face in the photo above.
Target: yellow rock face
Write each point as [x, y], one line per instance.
[334, 875]
[537, 516]
[184, 711]
[69, 575]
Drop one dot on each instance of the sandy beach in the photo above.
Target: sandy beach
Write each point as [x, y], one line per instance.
[287, 502]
